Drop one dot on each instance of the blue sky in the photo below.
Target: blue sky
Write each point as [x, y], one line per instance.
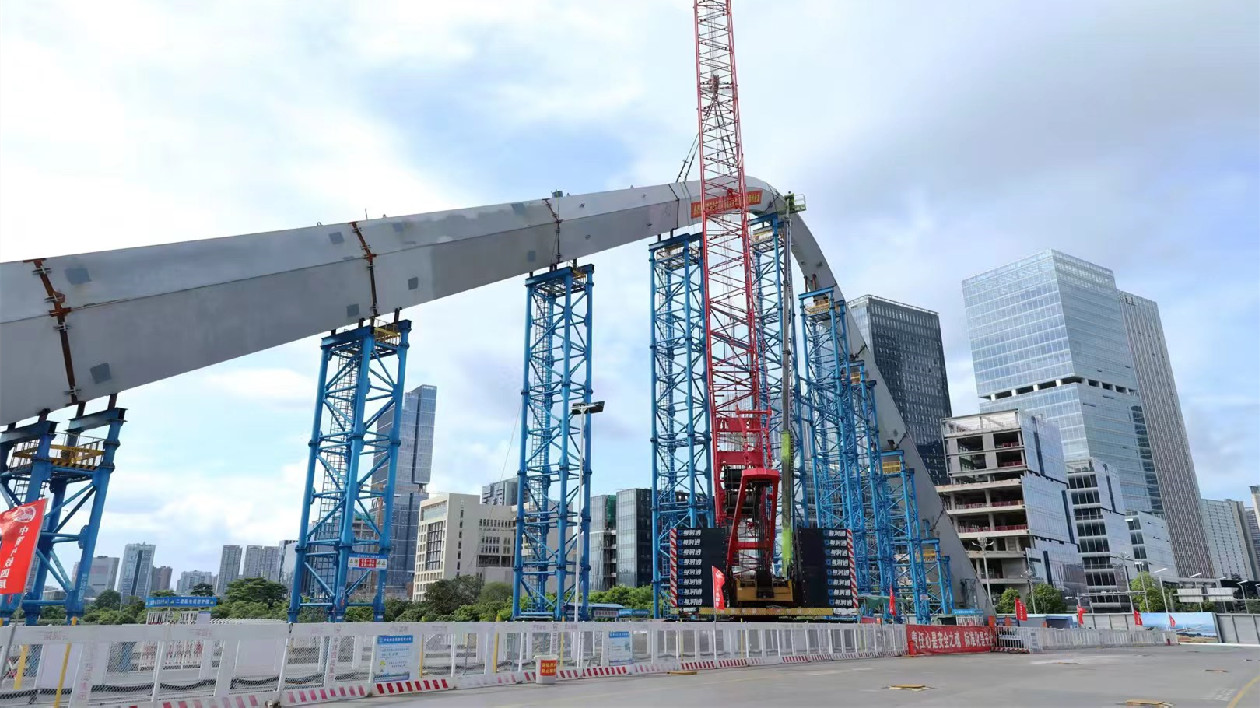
[932, 143]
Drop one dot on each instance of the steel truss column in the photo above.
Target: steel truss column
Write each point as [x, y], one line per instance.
[910, 582]
[877, 499]
[72, 470]
[344, 538]
[936, 571]
[682, 494]
[553, 507]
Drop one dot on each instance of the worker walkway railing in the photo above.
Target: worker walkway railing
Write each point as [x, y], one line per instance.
[250, 664]
[1039, 639]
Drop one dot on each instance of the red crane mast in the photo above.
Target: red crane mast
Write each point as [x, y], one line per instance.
[745, 487]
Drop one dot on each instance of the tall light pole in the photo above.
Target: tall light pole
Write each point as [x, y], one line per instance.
[1032, 596]
[1162, 592]
[586, 410]
[1128, 591]
[983, 542]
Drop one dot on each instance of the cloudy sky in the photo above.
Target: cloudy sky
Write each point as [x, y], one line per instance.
[933, 141]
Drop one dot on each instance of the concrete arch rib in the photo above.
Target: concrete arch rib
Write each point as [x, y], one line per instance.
[138, 315]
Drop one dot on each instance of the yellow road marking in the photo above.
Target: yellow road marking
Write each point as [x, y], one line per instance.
[1238, 698]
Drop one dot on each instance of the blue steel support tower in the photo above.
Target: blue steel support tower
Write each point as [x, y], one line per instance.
[682, 495]
[936, 570]
[877, 499]
[910, 582]
[837, 493]
[71, 470]
[344, 539]
[553, 505]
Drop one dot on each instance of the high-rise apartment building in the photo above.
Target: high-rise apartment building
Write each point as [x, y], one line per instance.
[261, 562]
[459, 536]
[161, 579]
[1007, 498]
[137, 570]
[502, 492]
[190, 579]
[1102, 535]
[906, 342]
[1253, 523]
[102, 575]
[229, 568]
[411, 479]
[1048, 337]
[1169, 444]
[1228, 539]
[634, 537]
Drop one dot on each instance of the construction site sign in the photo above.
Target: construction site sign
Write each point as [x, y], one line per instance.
[19, 534]
[367, 563]
[727, 202]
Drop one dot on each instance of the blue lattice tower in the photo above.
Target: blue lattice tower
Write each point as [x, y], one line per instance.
[682, 494]
[71, 470]
[910, 581]
[877, 500]
[553, 507]
[344, 538]
[936, 572]
[833, 499]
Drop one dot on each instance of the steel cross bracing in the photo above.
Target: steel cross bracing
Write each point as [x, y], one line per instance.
[681, 483]
[910, 580]
[71, 470]
[745, 489]
[344, 538]
[553, 506]
[837, 490]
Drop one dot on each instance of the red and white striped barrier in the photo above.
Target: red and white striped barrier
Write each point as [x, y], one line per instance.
[732, 663]
[303, 696]
[796, 659]
[698, 665]
[608, 671]
[417, 686]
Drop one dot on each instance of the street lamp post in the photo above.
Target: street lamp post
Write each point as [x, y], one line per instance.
[1162, 592]
[1128, 591]
[585, 410]
[983, 542]
[1032, 595]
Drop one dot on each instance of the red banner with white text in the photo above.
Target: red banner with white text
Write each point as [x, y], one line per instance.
[933, 639]
[19, 534]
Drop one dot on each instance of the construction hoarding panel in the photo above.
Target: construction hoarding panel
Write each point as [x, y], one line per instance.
[931, 639]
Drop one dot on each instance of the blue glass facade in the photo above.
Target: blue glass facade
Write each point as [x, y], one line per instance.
[415, 466]
[1048, 337]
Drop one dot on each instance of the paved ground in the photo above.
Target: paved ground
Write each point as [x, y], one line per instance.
[1220, 677]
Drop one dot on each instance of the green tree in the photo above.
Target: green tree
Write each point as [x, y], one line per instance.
[1006, 603]
[256, 590]
[1146, 593]
[495, 592]
[164, 593]
[1048, 599]
[1253, 606]
[446, 596]
[108, 600]
[359, 614]
[201, 590]
[394, 608]
[52, 614]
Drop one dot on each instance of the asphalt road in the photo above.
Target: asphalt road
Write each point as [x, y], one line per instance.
[1215, 676]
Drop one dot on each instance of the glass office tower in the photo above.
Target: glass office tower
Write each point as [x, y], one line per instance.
[906, 341]
[1170, 446]
[1048, 337]
[415, 466]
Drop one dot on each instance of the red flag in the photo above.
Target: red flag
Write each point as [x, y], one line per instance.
[892, 601]
[1137, 618]
[1080, 616]
[1172, 623]
[1021, 612]
[19, 534]
[719, 582]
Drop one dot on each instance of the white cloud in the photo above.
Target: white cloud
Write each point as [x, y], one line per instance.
[283, 387]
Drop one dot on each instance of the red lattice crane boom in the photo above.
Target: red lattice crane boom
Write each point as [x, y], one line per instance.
[745, 486]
